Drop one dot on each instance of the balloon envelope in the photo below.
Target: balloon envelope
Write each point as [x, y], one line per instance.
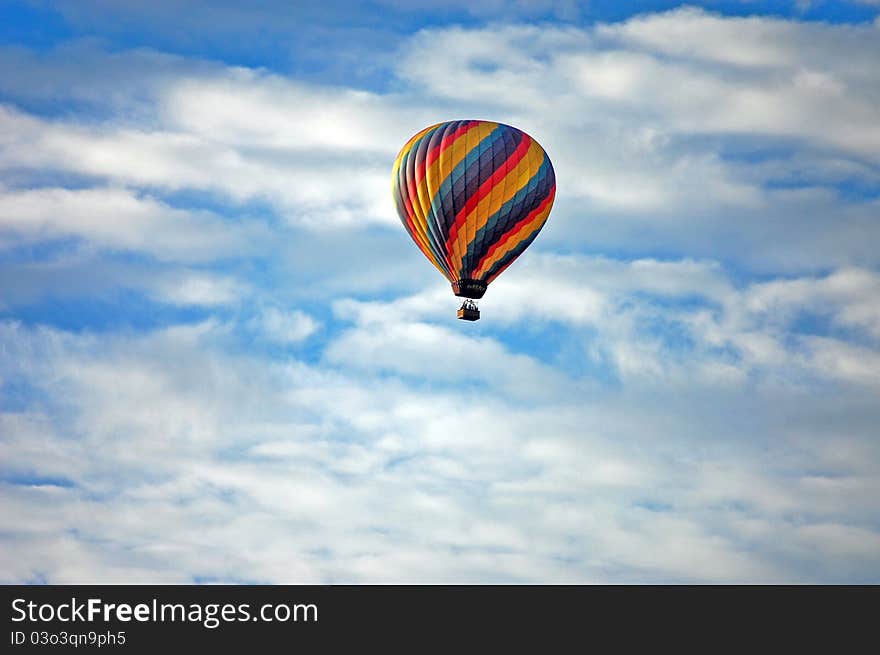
[473, 195]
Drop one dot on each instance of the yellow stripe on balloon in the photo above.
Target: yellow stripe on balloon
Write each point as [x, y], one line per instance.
[510, 184]
[438, 172]
[514, 240]
[441, 168]
[459, 246]
[419, 223]
[406, 148]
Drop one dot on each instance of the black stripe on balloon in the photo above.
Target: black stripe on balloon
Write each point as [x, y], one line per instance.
[401, 196]
[487, 164]
[533, 194]
[523, 202]
[502, 151]
[410, 174]
[438, 214]
[419, 165]
[468, 176]
[510, 256]
[519, 206]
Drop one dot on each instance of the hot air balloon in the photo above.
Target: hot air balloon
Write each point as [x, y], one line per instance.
[473, 195]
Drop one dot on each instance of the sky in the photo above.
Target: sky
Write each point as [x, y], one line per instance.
[223, 360]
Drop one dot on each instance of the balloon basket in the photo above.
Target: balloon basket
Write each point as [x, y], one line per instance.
[468, 311]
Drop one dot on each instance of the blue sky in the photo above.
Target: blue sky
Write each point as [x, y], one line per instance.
[221, 357]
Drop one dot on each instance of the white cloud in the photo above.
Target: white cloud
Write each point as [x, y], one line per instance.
[765, 42]
[198, 289]
[839, 359]
[256, 110]
[286, 326]
[848, 297]
[304, 188]
[440, 354]
[121, 220]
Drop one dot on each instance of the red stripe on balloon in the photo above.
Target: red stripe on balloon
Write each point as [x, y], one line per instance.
[448, 141]
[503, 169]
[434, 153]
[507, 235]
[410, 212]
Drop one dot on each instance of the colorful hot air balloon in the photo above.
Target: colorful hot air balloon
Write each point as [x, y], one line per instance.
[473, 195]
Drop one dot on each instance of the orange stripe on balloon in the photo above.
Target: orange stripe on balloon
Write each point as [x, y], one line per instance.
[406, 148]
[434, 153]
[417, 230]
[440, 168]
[486, 187]
[513, 236]
[459, 247]
[514, 180]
